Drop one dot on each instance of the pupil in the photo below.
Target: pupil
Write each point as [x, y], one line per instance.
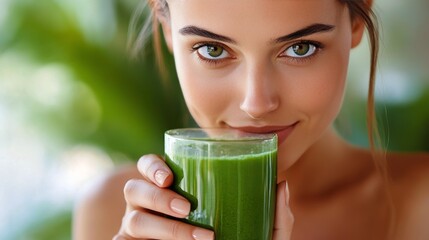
[214, 51]
[301, 49]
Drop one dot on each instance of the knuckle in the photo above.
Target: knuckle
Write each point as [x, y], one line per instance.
[140, 193]
[156, 197]
[135, 223]
[178, 230]
[175, 229]
[130, 188]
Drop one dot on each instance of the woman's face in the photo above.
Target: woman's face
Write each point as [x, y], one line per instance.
[263, 66]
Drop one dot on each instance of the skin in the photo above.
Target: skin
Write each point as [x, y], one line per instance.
[258, 87]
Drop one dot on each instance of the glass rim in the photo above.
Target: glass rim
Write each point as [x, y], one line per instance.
[222, 134]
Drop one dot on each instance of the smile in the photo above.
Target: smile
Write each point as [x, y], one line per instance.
[282, 131]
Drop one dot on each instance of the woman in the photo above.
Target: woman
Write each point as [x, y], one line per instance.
[276, 66]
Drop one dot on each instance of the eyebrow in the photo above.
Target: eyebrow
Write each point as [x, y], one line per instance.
[309, 30]
[193, 30]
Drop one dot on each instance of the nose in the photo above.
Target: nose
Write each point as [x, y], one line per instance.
[260, 93]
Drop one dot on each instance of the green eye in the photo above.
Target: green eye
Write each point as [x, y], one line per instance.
[212, 52]
[301, 50]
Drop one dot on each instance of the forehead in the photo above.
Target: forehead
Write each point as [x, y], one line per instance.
[237, 17]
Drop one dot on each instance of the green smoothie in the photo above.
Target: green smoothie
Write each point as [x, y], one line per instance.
[234, 196]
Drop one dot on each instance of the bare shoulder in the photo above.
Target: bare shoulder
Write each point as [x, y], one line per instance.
[410, 181]
[409, 172]
[406, 167]
[101, 205]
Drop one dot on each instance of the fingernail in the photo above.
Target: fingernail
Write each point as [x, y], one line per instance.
[287, 193]
[160, 176]
[201, 234]
[180, 206]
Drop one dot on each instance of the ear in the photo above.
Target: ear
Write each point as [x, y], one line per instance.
[166, 30]
[358, 29]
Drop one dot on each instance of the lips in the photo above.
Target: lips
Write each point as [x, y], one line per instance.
[282, 131]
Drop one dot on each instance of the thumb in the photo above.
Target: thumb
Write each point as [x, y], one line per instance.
[284, 218]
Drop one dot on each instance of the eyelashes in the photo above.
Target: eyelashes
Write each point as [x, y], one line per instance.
[300, 52]
[302, 49]
[212, 52]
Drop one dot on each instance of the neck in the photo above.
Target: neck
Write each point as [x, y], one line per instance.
[329, 164]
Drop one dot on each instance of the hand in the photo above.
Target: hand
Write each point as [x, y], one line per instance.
[284, 218]
[148, 198]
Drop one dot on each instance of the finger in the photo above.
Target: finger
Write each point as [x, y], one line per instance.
[284, 218]
[145, 225]
[141, 194]
[154, 168]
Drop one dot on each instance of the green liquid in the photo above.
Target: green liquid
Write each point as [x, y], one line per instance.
[235, 197]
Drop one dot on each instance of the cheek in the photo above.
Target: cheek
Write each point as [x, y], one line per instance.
[326, 93]
[207, 95]
[316, 99]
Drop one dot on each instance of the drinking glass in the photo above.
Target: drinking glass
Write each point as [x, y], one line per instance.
[229, 177]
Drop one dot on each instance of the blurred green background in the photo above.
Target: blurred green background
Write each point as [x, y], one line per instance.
[74, 105]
